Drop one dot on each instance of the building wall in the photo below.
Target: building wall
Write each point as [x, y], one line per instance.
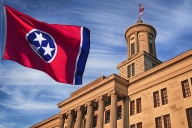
[142, 62]
[139, 66]
[150, 62]
[169, 78]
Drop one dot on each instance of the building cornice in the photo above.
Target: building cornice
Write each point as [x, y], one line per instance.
[45, 121]
[137, 25]
[88, 85]
[133, 57]
[88, 89]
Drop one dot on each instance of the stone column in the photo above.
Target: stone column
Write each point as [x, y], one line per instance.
[147, 41]
[129, 46]
[113, 110]
[125, 111]
[62, 120]
[79, 118]
[89, 118]
[100, 118]
[70, 119]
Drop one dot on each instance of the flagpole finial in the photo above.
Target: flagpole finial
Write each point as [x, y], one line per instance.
[139, 21]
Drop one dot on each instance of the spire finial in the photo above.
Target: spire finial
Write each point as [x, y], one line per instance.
[139, 21]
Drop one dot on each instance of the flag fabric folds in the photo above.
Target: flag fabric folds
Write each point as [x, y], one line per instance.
[141, 9]
[61, 51]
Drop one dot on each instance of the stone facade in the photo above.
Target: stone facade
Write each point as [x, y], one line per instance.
[154, 95]
[169, 77]
[142, 62]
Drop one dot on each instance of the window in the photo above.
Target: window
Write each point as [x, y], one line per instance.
[132, 126]
[119, 112]
[133, 69]
[150, 48]
[132, 38]
[132, 107]
[138, 102]
[189, 117]
[167, 122]
[132, 48]
[158, 122]
[191, 80]
[150, 36]
[107, 116]
[185, 88]
[156, 99]
[139, 125]
[129, 71]
[164, 96]
[94, 121]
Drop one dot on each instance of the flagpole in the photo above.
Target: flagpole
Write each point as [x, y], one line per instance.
[1, 30]
[1, 36]
[141, 9]
[5, 22]
[139, 15]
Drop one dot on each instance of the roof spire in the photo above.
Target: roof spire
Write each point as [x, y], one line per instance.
[139, 21]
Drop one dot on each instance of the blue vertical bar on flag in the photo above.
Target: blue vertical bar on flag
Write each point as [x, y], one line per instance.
[83, 54]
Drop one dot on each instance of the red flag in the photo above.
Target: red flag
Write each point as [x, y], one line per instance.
[141, 9]
[61, 51]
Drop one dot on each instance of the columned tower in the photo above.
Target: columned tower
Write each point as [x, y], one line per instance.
[140, 37]
[142, 55]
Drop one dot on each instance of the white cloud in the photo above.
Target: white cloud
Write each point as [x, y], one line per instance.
[14, 74]
[174, 21]
[35, 98]
[20, 100]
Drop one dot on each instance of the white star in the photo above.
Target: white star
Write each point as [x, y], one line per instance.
[48, 50]
[39, 38]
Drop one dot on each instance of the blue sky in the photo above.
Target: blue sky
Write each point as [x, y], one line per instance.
[28, 96]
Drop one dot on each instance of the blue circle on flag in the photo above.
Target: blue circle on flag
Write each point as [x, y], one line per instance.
[43, 44]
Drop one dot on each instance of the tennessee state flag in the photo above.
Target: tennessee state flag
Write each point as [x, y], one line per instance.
[141, 9]
[61, 51]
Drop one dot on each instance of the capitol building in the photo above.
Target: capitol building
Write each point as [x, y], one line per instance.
[147, 93]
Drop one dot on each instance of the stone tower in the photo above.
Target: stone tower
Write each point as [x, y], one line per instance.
[142, 55]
